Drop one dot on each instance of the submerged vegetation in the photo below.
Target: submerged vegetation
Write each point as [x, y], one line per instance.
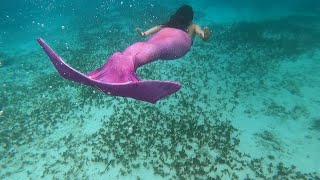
[69, 128]
[315, 124]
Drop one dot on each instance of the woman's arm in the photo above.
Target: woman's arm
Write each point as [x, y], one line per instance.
[149, 32]
[203, 34]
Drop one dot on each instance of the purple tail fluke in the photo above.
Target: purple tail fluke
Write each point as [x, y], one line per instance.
[149, 91]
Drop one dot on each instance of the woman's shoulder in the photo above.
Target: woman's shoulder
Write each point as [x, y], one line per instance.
[195, 26]
[192, 25]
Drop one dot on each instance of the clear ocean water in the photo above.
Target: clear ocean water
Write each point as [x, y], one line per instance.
[248, 107]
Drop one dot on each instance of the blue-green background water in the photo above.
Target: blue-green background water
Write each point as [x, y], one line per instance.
[248, 107]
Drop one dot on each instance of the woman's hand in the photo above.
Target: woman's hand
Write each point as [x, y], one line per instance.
[142, 34]
[206, 33]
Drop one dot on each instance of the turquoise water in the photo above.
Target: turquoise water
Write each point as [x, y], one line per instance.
[248, 107]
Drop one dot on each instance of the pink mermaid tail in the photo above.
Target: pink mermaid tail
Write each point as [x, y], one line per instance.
[118, 77]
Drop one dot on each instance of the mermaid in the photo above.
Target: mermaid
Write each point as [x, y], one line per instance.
[117, 77]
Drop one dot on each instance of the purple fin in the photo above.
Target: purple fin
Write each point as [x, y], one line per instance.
[149, 91]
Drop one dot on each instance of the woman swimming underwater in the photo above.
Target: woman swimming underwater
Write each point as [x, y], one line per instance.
[117, 77]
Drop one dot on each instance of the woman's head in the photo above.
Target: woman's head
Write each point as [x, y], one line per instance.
[181, 19]
[184, 14]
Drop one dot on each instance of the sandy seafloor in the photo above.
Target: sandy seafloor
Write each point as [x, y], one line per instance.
[248, 108]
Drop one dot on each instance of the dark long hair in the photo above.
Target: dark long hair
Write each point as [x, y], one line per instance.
[181, 19]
